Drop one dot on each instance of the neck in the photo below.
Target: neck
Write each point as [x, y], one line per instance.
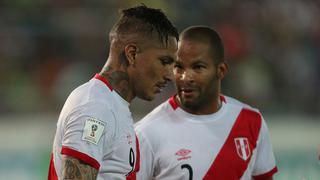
[118, 78]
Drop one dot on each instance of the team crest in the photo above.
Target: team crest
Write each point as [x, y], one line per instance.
[243, 148]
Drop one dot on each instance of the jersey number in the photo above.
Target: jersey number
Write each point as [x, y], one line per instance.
[189, 169]
[131, 160]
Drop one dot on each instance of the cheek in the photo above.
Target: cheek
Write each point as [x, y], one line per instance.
[209, 83]
[204, 80]
[153, 71]
[145, 68]
[147, 76]
[177, 79]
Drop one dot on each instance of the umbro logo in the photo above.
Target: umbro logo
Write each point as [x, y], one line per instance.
[183, 154]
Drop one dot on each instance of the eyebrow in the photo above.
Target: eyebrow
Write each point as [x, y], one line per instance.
[199, 62]
[179, 61]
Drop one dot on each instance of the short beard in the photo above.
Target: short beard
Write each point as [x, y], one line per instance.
[193, 105]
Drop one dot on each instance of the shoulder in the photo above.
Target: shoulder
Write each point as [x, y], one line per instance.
[88, 100]
[92, 96]
[101, 110]
[247, 114]
[89, 114]
[92, 90]
[234, 102]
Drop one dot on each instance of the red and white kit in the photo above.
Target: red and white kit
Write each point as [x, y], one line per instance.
[230, 144]
[96, 126]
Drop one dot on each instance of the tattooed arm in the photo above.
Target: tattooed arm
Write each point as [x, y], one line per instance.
[74, 169]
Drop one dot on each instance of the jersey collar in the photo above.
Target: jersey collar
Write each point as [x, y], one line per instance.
[173, 102]
[175, 105]
[104, 80]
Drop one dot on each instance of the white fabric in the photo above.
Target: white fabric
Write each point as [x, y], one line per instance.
[170, 138]
[94, 111]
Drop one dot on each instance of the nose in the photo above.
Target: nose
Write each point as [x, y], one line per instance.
[187, 76]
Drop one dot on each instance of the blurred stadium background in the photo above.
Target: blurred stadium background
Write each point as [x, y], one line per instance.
[49, 47]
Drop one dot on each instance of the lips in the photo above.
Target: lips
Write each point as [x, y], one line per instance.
[187, 91]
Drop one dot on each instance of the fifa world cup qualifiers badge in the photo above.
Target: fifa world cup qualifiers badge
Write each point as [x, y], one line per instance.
[93, 130]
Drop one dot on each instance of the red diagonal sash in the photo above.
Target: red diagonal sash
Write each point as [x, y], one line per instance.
[230, 163]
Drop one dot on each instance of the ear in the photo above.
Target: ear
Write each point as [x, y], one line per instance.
[222, 70]
[131, 53]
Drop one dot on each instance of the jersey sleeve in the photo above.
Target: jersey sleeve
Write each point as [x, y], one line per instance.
[146, 158]
[87, 133]
[265, 165]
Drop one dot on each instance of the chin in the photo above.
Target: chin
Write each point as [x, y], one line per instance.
[192, 106]
[149, 99]
[190, 103]
[188, 100]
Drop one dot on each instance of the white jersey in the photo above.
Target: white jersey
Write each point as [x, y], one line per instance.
[231, 144]
[96, 126]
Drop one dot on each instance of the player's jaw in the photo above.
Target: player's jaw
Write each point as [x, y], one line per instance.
[151, 89]
[188, 94]
[159, 86]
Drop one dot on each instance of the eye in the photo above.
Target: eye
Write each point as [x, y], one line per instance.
[166, 61]
[199, 67]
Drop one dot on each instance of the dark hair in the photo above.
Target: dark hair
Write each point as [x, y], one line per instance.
[206, 35]
[144, 20]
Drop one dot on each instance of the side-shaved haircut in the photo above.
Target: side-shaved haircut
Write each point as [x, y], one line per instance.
[204, 34]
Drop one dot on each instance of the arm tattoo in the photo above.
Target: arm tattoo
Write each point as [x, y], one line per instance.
[74, 169]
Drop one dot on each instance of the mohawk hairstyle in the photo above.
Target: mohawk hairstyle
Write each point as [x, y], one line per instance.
[144, 20]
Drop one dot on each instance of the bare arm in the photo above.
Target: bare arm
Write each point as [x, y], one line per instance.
[74, 169]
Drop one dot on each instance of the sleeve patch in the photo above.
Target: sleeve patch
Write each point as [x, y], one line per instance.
[93, 130]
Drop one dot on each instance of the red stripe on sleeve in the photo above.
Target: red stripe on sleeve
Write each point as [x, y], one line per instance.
[133, 175]
[233, 159]
[52, 175]
[266, 175]
[81, 156]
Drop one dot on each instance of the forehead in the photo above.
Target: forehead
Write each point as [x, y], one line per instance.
[170, 47]
[170, 44]
[193, 51]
